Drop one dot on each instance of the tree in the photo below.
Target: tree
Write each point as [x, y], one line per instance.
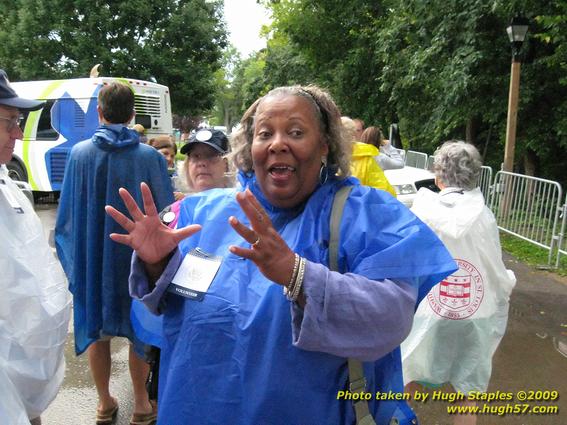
[178, 42]
[441, 68]
[286, 65]
[446, 73]
[226, 110]
[542, 117]
[249, 81]
[337, 45]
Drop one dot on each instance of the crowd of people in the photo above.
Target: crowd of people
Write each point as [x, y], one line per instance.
[285, 273]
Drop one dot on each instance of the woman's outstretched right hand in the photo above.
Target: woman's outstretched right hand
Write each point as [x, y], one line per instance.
[152, 240]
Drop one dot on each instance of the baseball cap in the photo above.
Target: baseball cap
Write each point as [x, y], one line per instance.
[216, 139]
[8, 96]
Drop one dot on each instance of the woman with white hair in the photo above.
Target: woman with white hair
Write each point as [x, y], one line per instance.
[459, 325]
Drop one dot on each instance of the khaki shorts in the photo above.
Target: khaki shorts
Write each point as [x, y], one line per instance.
[104, 337]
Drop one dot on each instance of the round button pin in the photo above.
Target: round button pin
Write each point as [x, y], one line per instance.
[168, 217]
[203, 135]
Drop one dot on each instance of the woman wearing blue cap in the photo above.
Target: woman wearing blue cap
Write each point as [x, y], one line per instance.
[204, 166]
[258, 328]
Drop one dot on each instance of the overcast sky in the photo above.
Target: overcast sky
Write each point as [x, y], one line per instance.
[244, 19]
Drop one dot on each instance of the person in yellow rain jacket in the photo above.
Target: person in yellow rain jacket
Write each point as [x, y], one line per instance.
[363, 165]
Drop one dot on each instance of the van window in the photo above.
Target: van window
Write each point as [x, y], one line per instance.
[44, 129]
[144, 120]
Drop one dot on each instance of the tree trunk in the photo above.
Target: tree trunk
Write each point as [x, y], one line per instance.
[486, 143]
[471, 130]
[530, 162]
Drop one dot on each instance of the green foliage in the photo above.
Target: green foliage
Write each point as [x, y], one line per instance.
[225, 111]
[179, 42]
[440, 68]
[336, 44]
[285, 65]
[447, 69]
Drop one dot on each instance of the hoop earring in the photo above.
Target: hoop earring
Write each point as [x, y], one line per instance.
[323, 171]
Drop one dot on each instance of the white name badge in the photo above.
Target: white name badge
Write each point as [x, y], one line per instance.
[195, 275]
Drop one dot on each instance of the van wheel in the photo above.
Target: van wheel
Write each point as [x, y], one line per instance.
[16, 171]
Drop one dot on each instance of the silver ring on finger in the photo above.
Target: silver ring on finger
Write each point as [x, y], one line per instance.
[255, 244]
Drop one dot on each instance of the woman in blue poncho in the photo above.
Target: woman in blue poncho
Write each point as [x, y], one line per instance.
[257, 329]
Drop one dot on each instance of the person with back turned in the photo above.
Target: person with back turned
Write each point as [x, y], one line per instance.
[458, 327]
[96, 267]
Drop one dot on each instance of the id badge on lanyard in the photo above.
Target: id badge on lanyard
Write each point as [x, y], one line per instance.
[195, 275]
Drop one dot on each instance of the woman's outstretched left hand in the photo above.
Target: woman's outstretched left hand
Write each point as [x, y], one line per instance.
[267, 248]
[147, 235]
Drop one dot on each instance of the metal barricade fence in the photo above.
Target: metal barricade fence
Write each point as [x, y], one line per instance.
[416, 159]
[561, 234]
[484, 182]
[528, 208]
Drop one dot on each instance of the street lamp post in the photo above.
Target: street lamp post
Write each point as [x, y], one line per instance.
[516, 33]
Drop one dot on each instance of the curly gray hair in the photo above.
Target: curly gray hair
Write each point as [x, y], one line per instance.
[457, 164]
[326, 112]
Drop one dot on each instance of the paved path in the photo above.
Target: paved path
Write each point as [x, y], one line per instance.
[529, 357]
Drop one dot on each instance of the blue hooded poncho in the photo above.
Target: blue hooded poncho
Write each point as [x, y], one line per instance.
[97, 268]
[229, 359]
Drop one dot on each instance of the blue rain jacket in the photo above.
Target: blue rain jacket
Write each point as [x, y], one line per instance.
[97, 268]
[229, 358]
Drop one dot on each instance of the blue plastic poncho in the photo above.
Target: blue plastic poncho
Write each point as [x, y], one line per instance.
[97, 268]
[230, 358]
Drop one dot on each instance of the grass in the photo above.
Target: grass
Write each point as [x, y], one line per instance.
[531, 254]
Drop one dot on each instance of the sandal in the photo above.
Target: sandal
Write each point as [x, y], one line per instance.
[108, 416]
[144, 418]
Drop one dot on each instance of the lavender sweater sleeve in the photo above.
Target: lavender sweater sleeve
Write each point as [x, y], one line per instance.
[140, 287]
[349, 315]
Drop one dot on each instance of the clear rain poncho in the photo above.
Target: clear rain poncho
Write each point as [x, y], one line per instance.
[459, 324]
[34, 311]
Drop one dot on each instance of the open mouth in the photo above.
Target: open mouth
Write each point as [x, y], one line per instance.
[281, 171]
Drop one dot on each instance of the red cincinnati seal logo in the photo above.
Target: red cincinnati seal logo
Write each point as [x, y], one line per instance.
[459, 295]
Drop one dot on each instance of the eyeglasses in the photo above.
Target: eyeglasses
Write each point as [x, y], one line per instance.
[213, 158]
[13, 122]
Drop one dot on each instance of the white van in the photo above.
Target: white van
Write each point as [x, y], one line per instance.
[408, 180]
[68, 117]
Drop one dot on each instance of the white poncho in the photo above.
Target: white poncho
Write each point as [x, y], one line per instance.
[460, 323]
[34, 310]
